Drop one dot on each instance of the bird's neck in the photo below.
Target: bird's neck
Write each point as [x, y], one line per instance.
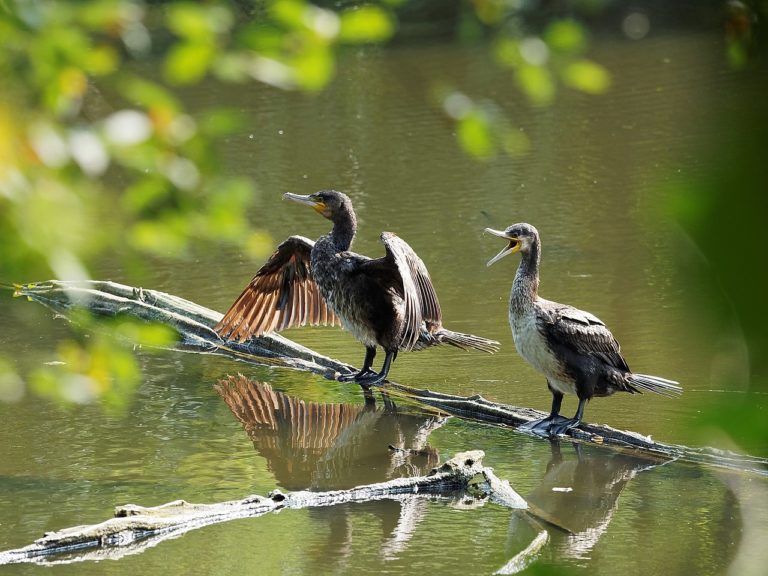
[344, 228]
[525, 288]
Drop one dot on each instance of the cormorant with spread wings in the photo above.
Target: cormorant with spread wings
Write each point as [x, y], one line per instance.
[388, 302]
[572, 348]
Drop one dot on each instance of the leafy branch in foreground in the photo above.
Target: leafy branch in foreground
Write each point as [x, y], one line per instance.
[98, 153]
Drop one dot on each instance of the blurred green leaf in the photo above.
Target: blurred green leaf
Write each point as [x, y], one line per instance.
[567, 36]
[537, 84]
[221, 122]
[259, 245]
[189, 62]
[366, 24]
[262, 37]
[314, 68]
[475, 135]
[516, 143]
[101, 60]
[290, 13]
[145, 194]
[167, 236]
[507, 52]
[84, 372]
[490, 12]
[198, 22]
[587, 76]
[142, 92]
[737, 55]
[146, 334]
[227, 203]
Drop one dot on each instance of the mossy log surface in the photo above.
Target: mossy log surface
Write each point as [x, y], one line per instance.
[195, 326]
[135, 528]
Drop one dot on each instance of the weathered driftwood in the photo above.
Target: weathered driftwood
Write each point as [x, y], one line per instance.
[193, 322]
[134, 528]
[195, 326]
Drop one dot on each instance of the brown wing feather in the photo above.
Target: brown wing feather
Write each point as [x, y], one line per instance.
[283, 294]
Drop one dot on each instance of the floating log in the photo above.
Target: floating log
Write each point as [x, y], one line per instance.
[135, 528]
[195, 326]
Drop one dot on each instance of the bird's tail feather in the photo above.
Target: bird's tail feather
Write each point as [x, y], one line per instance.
[655, 384]
[466, 341]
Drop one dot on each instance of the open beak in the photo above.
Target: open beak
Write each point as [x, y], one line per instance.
[514, 245]
[307, 200]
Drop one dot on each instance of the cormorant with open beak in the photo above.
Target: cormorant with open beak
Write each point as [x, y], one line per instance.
[572, 348]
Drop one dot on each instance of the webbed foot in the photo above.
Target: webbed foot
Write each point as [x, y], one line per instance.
[371, 379]
[356, 376]
[550, 426]
[562, 426]
[540, 427]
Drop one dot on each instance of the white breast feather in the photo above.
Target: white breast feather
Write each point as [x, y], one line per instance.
[532, 346]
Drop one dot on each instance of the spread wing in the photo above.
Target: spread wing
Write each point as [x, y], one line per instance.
[582, 332]
[283, 294]
[421, 304]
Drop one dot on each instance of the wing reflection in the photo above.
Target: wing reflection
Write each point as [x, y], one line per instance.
[313, 445]
[322, 446]
[580, 492]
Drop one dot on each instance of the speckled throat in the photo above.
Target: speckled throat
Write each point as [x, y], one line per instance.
[525, 287]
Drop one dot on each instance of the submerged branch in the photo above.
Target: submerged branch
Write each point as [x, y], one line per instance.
[526, 557]
[195, 326]
[135, 528]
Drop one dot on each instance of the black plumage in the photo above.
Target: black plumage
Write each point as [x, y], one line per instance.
[388, 302]
[572, 348]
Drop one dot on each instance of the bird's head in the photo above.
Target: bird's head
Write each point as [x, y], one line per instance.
[521, 238]
[328, 203]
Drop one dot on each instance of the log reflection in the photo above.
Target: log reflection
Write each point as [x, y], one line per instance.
[580, 492]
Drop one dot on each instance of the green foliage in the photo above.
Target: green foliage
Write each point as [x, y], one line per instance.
[722, 209]
[101, 366]
[586, 76]
[366, 24]
[77, 116]
[557, 54]
[481, 128]
[540, 62]
[295, 48]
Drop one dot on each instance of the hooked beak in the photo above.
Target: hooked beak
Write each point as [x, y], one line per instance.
[307, 200]
[514, 245]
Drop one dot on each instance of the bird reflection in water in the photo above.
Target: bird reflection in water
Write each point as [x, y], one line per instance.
[580, 493]
[330, 446]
